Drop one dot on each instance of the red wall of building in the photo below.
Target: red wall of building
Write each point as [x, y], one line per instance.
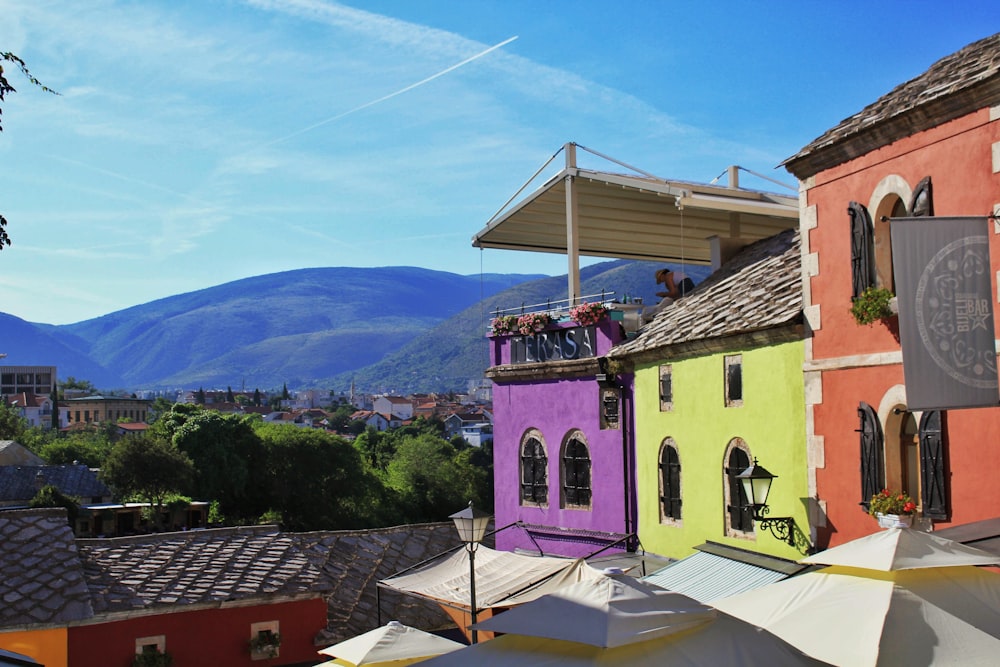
[971, 439]
[958, 157]
[216, 637]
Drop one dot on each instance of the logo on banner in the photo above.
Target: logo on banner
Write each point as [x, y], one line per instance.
[950, 308]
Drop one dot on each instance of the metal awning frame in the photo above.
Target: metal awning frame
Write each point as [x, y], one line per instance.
[631, 216]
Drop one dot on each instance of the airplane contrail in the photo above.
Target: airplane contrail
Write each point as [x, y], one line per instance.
[389, 96]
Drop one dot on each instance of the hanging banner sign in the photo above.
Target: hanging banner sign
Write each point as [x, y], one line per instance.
[944, 294]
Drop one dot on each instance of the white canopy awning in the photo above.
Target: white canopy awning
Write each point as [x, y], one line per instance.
[603, 214]
[502, 578]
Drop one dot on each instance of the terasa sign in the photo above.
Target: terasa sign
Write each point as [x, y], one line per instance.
[557, 345]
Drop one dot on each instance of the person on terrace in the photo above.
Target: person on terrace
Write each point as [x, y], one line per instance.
[677, 284]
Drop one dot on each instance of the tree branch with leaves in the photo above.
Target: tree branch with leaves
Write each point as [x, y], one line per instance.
[5, 88]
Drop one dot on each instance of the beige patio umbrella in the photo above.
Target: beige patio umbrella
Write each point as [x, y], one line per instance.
[897, 597]
[391, 645]
[618, 620]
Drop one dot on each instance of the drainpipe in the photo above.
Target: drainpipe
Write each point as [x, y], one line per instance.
[626, 394]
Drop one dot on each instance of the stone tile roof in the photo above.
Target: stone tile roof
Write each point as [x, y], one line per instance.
[760, 288]
[203, 566]
[21, 483]
[14, 453]
[954, 86]
[42, 580]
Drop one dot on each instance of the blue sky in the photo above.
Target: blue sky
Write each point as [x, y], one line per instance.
[197, 142]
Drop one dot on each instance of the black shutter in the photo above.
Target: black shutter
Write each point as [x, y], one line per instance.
[922, 203]
[534, 475]
[872, 470]
[734, 384]
[576, 473]
[670, 480]
[740, 513]
[933, 467]
[862, 256]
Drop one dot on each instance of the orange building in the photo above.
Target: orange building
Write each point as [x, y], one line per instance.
[930, 147]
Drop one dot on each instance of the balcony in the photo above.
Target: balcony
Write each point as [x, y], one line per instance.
[560, 339]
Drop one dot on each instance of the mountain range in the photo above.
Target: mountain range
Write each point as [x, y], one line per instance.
[387, 329]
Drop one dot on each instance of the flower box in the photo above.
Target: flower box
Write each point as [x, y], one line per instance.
[894, 520]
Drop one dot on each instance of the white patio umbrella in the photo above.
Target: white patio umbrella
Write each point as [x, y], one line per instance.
[618, 620]
[392, 644]
[897, 597]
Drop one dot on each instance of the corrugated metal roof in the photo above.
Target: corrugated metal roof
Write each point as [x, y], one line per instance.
[706, 577]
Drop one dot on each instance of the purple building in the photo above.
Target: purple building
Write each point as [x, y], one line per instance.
[562, 441]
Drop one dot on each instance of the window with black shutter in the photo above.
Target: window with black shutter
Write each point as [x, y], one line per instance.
[666, 388]
[576, 473]
[872, 452]
[933, 466]
[922, 203]
[739, 515]
[734, 380]
[670, 483]
[862, 256]
[534, 472]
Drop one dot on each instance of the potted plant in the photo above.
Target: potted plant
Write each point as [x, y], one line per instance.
[265, 644]
[873, 304]
[893, 509]
[531, 323]
[588, 313]
[153, 659]
[503, 325]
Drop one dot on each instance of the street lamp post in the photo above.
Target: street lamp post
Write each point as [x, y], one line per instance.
[756, 482]
[471, 524]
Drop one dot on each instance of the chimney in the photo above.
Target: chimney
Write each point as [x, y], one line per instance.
[722, 250]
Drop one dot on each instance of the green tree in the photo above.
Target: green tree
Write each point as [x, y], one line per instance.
[376, 448]
[148, 467]
[256, 397]
[86, 386]
[87, 447]
[54, 397]
[429, 475]
[229, 458]
[50, 496]
[168, 422]
[12, 424]
[229, 395]
[159, 407]
[318, 481]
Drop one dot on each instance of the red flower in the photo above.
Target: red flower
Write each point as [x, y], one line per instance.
[909, 507]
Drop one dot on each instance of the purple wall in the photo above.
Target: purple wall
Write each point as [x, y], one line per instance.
[555, 408]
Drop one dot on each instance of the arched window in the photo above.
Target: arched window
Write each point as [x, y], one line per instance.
[908, 455]
[891, 206]
[670, 482]
[534, 470]
[739, 517]
[576, 472]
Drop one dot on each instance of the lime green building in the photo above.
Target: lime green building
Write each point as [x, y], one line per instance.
[719, 386]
